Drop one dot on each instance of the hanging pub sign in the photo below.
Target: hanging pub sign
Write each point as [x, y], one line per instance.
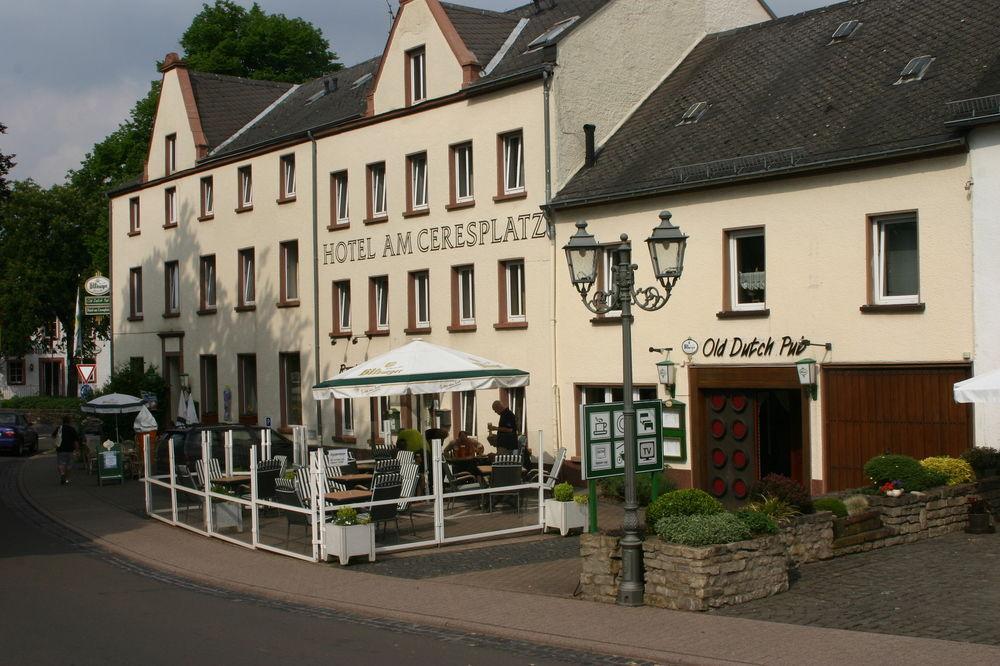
[97, 285]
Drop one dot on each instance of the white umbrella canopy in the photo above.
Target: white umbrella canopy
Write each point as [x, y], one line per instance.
[417, 368]
[983, 388]
[113, 403]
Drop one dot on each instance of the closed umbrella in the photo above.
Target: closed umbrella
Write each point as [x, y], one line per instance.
[190, 412]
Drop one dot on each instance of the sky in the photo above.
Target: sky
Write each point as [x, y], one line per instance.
[71, 70]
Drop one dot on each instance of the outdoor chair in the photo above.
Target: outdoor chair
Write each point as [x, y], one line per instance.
[458, 481]
[185, 479]
[549, 478]
[386, 487]
[384, 452]
[409, 473]
[267, 476]
[283, 460]
[506, 472]
[291, 498]
[406, 457]
[214, 471]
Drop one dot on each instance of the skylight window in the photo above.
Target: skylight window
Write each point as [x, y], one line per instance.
[363, 80]
[845, 30]
[915, 69]
[694, 113]
[550, 35]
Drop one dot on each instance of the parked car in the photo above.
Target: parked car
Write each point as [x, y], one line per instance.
[17, 434]
[186, 443]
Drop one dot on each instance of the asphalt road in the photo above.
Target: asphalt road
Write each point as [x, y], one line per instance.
[62, 601]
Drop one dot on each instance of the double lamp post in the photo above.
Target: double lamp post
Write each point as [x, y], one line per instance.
[583, 254]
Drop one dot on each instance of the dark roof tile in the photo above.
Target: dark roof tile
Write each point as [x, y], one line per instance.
[227, 103]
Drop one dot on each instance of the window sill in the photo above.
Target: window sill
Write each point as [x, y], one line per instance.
[244, 209]
[417, 331]
[245, 308]
[744, 314]
[134, 233]
[345, 439]
[416, 213]
[284, 200]
[376, 333]
[135, 318]
[206, 218]
[459, 205]
[340, 335]
[338, 226]
[510, 325]
[376, 220]
[206, 311]
[170, 225]
[513, 196]
[895, 308]
[603, 320]
[171, 315]
[287, 304]
[462, 328]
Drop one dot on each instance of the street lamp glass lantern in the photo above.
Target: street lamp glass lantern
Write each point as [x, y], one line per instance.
[581, 256]
[666, 249]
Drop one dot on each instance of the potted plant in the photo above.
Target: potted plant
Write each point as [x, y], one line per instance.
[226, 514]
[979, 517]
[984, 460]
[349, 534]
[565, 510]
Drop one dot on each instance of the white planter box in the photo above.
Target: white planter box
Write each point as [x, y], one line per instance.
[564, 516]
[344, 541]
[226, 515]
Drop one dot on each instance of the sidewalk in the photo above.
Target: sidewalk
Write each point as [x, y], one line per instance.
[111, 517]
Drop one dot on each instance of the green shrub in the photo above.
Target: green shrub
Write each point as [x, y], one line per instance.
[778, 509]
[563, 492]
[856, 504]
[833, 504]
[614, 487]
[702, 529]
[41, 402]
[785, 489]
[957, 470]
[759, 523]
[411, 438]
[910, 474]
[687, 502]
[349, 516]
[983, 459]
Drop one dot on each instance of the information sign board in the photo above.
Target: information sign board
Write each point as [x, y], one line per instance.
[603, 428]
[97, 305]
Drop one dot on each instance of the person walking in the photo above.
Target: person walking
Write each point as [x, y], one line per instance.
[69, 442]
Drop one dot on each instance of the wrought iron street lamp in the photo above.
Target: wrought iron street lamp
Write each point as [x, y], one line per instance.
[666, 249]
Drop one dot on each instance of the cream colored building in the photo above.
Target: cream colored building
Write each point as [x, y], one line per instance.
[428, 193]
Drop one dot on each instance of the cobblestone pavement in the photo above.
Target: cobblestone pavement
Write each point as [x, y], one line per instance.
[947, 587]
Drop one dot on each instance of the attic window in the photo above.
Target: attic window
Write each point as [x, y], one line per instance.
[915, 69]
[329, 86]
[845, 30]
[363, 80]
[549, 36]
[694, 113]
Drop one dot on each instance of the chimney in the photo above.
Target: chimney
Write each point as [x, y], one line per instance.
[329, 85]
[588, 131]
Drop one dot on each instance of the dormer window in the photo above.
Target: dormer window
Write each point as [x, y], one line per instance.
[549, 36]
[693, 114]
[416, 76]
[170, 153]
[915, 69]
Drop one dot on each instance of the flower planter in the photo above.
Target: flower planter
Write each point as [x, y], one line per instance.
[564, 516]
[345, 541]
[226, 514]
[980, 523]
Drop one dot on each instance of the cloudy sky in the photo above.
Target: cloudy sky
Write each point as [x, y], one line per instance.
[70, 70]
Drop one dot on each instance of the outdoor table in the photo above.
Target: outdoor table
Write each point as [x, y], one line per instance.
[347, 496]
[234, 480]
[366, 466]
[352, 480]
[484, 470]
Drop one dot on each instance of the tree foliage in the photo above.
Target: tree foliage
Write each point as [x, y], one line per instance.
[6, 164]
[225, 38]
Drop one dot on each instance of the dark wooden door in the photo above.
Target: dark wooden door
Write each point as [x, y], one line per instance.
[890, 409]
[731, 456]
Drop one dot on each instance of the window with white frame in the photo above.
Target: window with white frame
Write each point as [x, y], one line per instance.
[207, 197]
[342, 306]
[606, 276]
[420, 288]
[381, 409]
[133, 215]
[895, 259]
[289, 272]
[15, 371]
[513, 163]
[172, 279]
[466, 298]
[747, 270]
[170, 206]
[208, 282]
[246, 365]
[288, 177]
[376, 191]
[462, 181]
[515, 400]
[135, 292]
[247, 278]
[418, 181]
[416, 62]
[346, 421]
[513, 290]
[245, 185]
[467, 418]
[341, 205]
[590, 395]
[379, 314]
[170, 149]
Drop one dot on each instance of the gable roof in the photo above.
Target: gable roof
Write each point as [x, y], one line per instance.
[781, 97]
[227, 103]
[483, 31]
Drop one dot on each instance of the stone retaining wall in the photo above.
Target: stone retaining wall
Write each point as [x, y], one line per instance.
[809, 538]
[989, 491]
[602, 567]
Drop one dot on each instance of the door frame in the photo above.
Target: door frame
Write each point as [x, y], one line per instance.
[60, 383]
[736, 377]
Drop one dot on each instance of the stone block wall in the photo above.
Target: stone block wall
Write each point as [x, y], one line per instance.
[602, 567]
[809, 538]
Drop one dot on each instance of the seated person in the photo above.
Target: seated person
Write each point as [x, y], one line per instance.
[463, 446]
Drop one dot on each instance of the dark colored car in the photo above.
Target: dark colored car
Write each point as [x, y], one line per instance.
[186, 443]
[17, 434]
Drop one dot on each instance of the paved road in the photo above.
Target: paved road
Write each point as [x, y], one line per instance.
[64, 602]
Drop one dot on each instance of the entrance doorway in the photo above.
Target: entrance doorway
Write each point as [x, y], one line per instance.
[50, 376]
[172, 377]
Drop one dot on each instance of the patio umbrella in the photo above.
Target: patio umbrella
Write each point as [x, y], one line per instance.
[982, 388]
[113, 403]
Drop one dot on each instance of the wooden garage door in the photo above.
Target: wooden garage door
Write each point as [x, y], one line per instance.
[895, 409]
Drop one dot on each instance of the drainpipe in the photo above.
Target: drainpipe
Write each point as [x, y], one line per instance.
[315, 272]
[553, 255]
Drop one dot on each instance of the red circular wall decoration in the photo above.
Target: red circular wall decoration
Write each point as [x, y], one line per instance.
[718, 487]
[717, 402]
[718, 429]
[739, 488]
[719, 457]
[739, 429]
[738, 402]
[740, 459]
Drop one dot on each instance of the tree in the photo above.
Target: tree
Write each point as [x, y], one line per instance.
[227, 39]
[6, 164]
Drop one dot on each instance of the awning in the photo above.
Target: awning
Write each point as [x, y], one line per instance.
[983, 388]
[417, 368]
